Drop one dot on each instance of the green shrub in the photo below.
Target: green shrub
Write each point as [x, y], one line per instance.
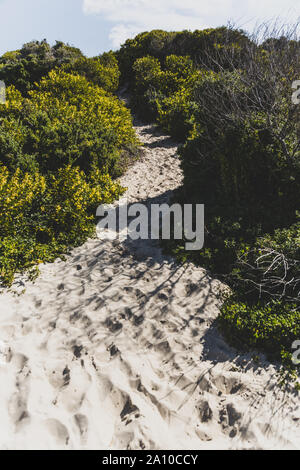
[25, 67]
[66, 120]
[175, 114]
[61, 143]
[101, 71]
[236, 162]
[159, 89]
[204, 47]
[42, 217]
[268, 328]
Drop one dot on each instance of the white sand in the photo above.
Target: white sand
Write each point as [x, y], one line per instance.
[117, 348]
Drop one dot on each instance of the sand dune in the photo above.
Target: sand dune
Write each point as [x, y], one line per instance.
[117, 348]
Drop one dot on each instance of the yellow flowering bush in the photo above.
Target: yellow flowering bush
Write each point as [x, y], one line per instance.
[75, 199]
[42, 217]
[102, 71]
[65, 120]
[18, 194]
[60, 146]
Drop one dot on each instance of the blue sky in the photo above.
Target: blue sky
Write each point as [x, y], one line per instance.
[99, 25]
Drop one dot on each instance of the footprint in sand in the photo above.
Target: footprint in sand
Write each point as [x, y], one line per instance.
[83, 425]
[17, 406]
[58, 431]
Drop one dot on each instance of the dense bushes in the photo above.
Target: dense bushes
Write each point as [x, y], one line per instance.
[25, 67]
[271, 328]
[163, 91]
[102, 71]
[41, 217]
[66, 120]
[62, 140]
[246, 149]
[204, 47]
[261, 188]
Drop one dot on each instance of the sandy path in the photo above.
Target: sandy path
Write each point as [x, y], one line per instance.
[117, 348]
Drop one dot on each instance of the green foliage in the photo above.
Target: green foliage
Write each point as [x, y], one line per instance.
[63, 137]
[161, 92]
[27, 66]
[263, 166]
[270, 328]
[176, 114]
[66, 120]
[42, 217]
[101, 71]
[202, 46]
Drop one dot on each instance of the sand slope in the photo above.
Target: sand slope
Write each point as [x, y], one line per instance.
[117, 348]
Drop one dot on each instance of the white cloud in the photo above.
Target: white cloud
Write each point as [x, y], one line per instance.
[121, 32]
[129, 17]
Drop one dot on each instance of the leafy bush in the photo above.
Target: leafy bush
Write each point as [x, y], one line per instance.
[243, 159]
[101, 71]
[66, 120]
[42, 217]
[158, 87]
[263, 166]
[204, 47]
[270, 328]
[175, 114]
[63, 137]
[25, 67]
